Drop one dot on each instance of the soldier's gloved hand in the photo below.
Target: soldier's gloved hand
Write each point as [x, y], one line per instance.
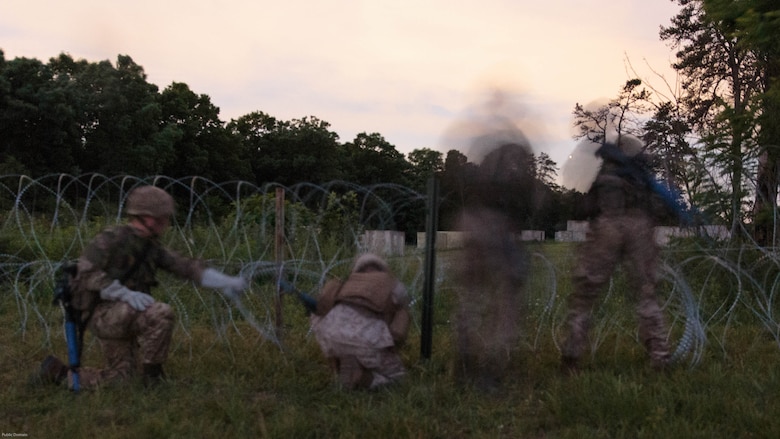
[231, 286]
[116, 291]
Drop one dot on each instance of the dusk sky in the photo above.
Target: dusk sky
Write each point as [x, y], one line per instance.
[411, 71]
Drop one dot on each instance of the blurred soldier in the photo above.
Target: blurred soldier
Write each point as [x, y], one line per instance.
[361, 323]
[492, 271]
[622, 206]
[113, 286]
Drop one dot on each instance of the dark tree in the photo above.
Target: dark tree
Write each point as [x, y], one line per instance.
[370, 159]
[721, 80]
[425, 163]
[288, 152]
[121, 128]
[755, 26]
[38, 126]
[456, 179]
[202, 145]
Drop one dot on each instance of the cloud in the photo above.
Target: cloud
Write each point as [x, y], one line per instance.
[405, 69]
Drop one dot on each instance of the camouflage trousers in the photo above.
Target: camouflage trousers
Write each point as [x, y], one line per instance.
[488, 330]
[128, 337]
[613, 239]
[371, 371]
[358, 346]
[491, 278]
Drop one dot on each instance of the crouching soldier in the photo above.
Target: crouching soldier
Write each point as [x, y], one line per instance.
[360, 324]
[112, 290]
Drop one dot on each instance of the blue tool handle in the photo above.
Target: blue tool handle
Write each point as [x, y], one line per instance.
[73, 353]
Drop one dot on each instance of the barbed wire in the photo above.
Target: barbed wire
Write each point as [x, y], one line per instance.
[48, 220]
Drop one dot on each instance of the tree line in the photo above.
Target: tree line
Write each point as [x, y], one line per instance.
[82, 118]
[714, 134]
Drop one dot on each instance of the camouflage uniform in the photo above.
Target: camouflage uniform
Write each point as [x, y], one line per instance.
[127, 336]
[360, 323]
[622, 231]
[491, 278]
[492, 270]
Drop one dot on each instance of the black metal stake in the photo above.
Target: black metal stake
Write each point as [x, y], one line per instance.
[432, 224]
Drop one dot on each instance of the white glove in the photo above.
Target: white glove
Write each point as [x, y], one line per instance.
[231, 286]
[116, 291]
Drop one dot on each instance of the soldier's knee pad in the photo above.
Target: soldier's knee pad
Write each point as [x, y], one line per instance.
[161, 312]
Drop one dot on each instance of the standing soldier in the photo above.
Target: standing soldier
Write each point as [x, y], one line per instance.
[493, 268]
[113, 286]
[622, 205]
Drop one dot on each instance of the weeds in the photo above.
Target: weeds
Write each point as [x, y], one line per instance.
[227, 381]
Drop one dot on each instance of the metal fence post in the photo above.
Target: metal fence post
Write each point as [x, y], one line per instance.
[432, 223]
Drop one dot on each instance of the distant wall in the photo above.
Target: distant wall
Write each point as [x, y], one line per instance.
[664, 234]
[383, 242]
[576, 231]
[454, 239]
[532, 235]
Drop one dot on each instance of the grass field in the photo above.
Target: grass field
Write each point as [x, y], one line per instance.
[225, 380]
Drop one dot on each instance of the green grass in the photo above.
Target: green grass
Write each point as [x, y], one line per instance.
[232, 383]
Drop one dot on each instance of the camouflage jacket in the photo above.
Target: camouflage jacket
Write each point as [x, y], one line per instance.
[113, 255]
[623, 183]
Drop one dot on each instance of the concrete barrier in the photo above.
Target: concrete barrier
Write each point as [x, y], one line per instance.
[664, 234]
[532, 235]
[444, 239]
[570, 235]
[449, 239]
[577, 232]
[576, 226]
[383, 242]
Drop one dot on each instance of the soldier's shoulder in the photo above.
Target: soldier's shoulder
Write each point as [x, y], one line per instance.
[116, 229]
[113, 234]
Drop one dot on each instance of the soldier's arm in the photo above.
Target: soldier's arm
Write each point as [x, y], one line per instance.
[92, 264]
[197, 271]
[180, 266]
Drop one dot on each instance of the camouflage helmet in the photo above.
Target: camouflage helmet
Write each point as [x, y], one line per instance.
[151, 201]
[367, 260]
